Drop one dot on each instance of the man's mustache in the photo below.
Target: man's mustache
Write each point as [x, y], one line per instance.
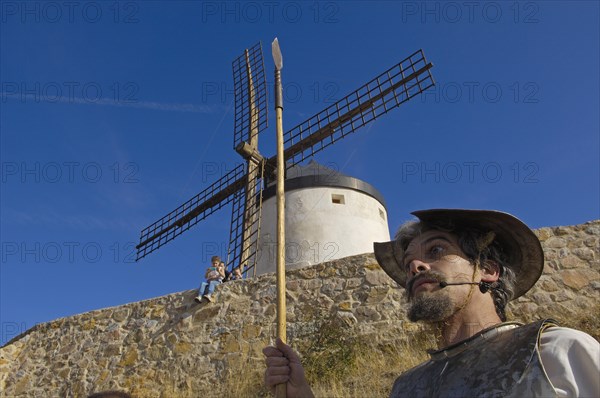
[437, 277]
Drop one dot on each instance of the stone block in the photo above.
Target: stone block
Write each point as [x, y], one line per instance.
[57, 324]
[311, 284]
[292, 285]
[121, 314]
[529, 308]
[182, 347]
[151, 323]
[561, 295]
[155, 312]
[543, 234]
[64, 373]
[551, 266]
[377, 294]
[561, 231]
[172, 338]
[270, 310]
[555, 242]
[373, 266]
[229, 344]
[377, 278]
[100, 315]
[562, 253]
[367, 314]
[342, 296]
[548, 285]
[102, 378]
[208, 348]
[584, 253]
[328, 272]
[571, 262]
[256, 347]
[185, 322]
[331, 287]
[250, 331]
[208, 312]
[89, 325]
[353, 283]
[307, 273]
[112, 350]
[577, 279]
[155, 353]
[593, 229]
[22, 386]
[541, 298]
[573, 242]
[130, 357]
[349, 271]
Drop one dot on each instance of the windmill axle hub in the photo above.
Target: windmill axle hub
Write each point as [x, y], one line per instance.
[249, 153]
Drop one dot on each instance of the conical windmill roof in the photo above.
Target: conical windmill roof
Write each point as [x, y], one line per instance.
[315, 175]
[313, 168]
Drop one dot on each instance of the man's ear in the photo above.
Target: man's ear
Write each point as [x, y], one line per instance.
[490, 272]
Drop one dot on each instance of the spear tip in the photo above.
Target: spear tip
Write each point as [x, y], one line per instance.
[277, 58]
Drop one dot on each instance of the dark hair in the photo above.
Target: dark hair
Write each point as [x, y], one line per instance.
[110, 394]
[482, 250]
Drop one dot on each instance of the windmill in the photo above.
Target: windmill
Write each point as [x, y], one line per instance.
[243, 186]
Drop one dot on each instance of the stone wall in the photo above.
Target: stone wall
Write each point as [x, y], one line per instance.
[171, 346]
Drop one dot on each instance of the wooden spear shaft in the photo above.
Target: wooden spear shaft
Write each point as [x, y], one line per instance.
[280, 389]
[281, 332]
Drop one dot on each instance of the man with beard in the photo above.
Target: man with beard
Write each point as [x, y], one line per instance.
[460, 268]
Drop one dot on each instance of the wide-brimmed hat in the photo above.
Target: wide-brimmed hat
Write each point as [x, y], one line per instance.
[524, 254]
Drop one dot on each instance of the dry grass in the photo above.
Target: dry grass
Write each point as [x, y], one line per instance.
[587, 321]
[339, 366]
[372, 374]
[244, 378]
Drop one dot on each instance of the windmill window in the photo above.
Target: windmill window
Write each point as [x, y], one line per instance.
[382, 214]
[337, 199]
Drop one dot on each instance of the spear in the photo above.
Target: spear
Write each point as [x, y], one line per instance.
[280, 390]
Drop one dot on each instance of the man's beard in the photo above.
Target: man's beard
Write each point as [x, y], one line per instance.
[430, 307]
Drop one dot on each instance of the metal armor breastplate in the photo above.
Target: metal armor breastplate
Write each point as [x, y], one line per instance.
[499, 362]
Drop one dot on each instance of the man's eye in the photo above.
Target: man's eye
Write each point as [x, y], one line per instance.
[436, 251]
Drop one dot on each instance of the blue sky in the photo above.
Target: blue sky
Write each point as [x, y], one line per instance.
[114, 113]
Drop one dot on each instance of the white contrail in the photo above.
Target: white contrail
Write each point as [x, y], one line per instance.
[132, 104]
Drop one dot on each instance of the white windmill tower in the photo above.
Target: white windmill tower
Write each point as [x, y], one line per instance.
[328, 216]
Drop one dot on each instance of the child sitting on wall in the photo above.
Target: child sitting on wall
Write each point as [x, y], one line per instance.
[214, 275]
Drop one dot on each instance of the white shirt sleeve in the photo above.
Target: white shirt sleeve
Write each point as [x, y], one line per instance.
[571, 359]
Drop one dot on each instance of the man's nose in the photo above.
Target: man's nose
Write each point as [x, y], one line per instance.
[417, 266]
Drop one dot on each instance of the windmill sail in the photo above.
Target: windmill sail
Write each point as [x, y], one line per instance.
[250, 120]
[245, 224]
[191, 212]
[250, 95]
[385, 92]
